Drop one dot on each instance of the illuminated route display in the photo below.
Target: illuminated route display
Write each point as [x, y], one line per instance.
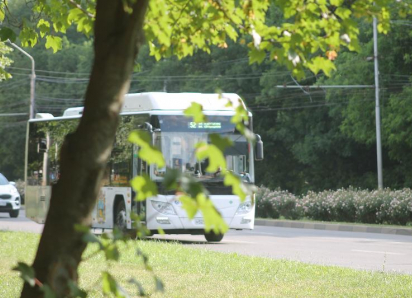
[179, 123]
[205, 125]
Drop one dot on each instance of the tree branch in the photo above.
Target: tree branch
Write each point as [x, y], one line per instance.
[76, 5]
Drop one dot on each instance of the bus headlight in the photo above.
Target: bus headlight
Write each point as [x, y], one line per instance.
[244, 208]
[163, 207]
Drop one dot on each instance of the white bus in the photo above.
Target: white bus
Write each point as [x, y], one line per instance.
[161, 114]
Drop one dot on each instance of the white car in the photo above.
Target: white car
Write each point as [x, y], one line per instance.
[9, 197]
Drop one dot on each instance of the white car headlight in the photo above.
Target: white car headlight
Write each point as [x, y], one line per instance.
[14, 191]
[244, 207]
[163, 207]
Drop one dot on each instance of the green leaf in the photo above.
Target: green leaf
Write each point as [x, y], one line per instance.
[26, 273]
[75, 291]
[111, 252]
[212, 217]
[189, 205]
[343, 13]
[75, 14]
[220, 142]
[159, 285]
[217, 161]
[53, 42]
[87, 237]
[238, 187]
[110, 285]
[7, 34]
[231, 32]
[140, 138]
[214, 152]
[256, 55]
[195, 111]
[2, 12]
[147, 152]
[241, 116]
[336, 2]
[145, 259]
[170, 179]
[44, 27]
[140, 290]
[48, 292]
[91, 238]
[81, 228]
[319, 63]
[144, 187]
[152, 156]
[192, 187]
[249, 135]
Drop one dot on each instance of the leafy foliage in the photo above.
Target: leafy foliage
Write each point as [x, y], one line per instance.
[145, 187]
[195, 111]
[26, 273]
[5, 61]
[110, 286]
[175, 27]
[147, 152]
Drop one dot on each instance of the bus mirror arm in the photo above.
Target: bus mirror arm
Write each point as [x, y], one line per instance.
[149, 127]
[259, 148]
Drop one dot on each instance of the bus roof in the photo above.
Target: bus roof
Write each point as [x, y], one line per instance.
[179, 101]
[162, 101]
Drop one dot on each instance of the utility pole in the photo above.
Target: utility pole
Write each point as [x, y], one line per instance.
[377, 106]
[165, 83]
[32, 79]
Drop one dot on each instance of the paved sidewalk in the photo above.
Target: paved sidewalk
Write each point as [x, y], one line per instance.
[333, 227]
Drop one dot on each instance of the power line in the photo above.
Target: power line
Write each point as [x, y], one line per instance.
[13, 114]
[265, 109]
[51, 71]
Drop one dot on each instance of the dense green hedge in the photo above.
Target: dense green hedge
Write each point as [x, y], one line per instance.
[349, 205]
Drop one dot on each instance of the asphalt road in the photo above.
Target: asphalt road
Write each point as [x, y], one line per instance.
[20, 223]
[381, 252]
[367, 251]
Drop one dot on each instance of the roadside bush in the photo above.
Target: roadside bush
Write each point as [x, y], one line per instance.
[348, 205]
[330, 205]
[264, 207]
[274, 204]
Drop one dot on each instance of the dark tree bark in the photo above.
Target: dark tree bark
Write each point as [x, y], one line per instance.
[84, 154]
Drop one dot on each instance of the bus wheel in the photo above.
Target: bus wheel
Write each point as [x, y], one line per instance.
[14, 213]
[120, 218]
[212, 237]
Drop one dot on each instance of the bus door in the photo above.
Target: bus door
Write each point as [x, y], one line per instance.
[139, 168]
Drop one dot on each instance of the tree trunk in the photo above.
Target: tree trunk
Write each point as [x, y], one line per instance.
[84, 154]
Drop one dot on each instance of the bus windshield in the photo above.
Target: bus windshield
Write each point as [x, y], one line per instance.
[179, 151]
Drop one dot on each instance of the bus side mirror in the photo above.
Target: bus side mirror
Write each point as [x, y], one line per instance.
[259, 148]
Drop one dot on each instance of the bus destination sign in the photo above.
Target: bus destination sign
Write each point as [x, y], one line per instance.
[205, 125]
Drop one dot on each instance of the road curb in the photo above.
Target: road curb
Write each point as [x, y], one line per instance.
[332, 227]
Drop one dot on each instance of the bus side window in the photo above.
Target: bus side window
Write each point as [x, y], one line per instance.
[143, 167]
[139, 166]
[41, 145]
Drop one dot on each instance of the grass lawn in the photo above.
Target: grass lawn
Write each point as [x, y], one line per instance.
[192, 272]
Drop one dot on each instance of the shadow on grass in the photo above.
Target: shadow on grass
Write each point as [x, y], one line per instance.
[180, 241]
